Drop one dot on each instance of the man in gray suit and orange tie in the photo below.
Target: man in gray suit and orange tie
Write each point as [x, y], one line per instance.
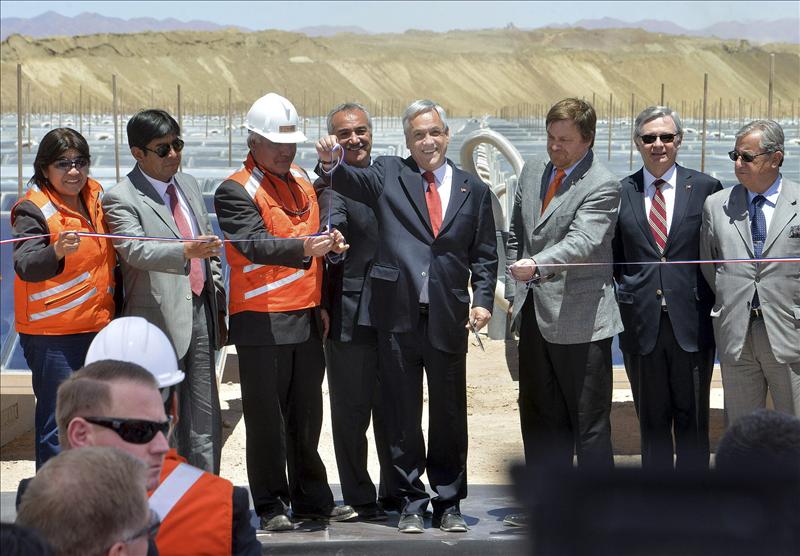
[564, 212]
[757, 310]
[176, 286]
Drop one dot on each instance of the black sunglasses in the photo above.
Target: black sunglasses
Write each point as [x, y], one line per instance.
[65, 164]
[746, 157]
[163, 149]
[150, 530]
[135, 431]
[665, 138]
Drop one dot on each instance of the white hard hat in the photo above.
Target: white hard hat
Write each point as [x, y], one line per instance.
[275, 118]
[136, 340]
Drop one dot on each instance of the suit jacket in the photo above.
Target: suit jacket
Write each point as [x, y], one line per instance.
[726, 235]
[573, 304]
[640, 289]
[344, 280]
[464, 251]
[155, 274]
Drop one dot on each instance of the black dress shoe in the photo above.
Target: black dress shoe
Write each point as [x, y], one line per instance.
[411, 523]
[370, 512]
[450, 522]
[334, 513]
[276, 522]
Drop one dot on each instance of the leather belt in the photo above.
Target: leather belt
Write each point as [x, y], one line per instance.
[423, 308]
[756, 314]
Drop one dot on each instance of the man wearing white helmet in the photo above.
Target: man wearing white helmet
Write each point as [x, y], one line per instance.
[269, 209]
[115, 401]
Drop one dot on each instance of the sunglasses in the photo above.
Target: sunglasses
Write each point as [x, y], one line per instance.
[150, 530]
[746, 157]
[65, 164]
[163, 149]
[135, 431]
[665, 138]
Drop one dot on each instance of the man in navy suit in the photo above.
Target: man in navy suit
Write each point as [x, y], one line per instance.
[437, 234]
[668, 342]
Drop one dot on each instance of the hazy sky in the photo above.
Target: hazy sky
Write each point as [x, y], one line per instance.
[399, 16]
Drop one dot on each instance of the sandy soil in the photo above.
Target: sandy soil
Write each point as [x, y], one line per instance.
[494, 434]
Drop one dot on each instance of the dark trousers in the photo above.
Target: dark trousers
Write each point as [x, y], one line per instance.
[198, 435]
[52, 359]
[353, 383]
[402, 357]
[671, 389]
[564, 398]
[282, 404]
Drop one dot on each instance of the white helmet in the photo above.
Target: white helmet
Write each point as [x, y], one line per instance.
[135, 340]
[275, 118]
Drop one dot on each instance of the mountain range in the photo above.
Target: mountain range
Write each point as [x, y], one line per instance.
[51, 24]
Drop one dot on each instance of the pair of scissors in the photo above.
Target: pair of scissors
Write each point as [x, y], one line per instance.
[477, 337]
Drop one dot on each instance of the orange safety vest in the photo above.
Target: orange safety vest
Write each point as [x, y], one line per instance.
[80, 298]
[196, 510]
[272, 288]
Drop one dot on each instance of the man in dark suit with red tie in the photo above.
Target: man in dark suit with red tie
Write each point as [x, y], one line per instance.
[437, 235]
[668, 341]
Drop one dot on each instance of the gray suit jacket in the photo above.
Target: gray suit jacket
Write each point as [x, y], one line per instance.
[725, 234]
[573, 304]
[155, 274]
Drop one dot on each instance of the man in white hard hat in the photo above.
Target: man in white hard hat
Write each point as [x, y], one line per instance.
[115, 401]
[270, 211]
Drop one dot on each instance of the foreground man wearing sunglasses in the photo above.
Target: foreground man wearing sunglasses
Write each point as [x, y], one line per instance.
[91, 501]
[176, 286]
[668, 342]
[757, 311]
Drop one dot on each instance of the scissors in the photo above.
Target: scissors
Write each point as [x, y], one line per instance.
[477, 337]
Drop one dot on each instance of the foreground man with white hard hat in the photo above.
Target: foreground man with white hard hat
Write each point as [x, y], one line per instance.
[270, 210]
[115, 401]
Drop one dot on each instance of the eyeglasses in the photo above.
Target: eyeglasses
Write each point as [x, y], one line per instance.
[163, 149]
[665, 138]
[135, 431]
[746, 157]
[65, 164]
[151, 529]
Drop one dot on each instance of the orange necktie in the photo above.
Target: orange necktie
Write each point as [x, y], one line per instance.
[554, 185]
[434, 202]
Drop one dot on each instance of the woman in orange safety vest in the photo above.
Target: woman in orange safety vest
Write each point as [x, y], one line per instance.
[64, 283]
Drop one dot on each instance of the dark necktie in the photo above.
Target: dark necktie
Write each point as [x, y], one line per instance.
[658, 217]
[758, 229]
[434, 202]
[554, 185]
[196, 271]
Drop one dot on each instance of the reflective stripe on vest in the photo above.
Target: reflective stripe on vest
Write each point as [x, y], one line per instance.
[60, 288]
[274, 285]
[173, 488]
[62, 308]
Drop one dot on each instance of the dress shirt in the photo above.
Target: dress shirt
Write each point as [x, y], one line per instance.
[444, 181]
[567, 171]
[771, 196]
[161, 189]
[667, 190]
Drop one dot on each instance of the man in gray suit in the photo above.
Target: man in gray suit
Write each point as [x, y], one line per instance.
[564, 212]
[175, 285]
[757, 311]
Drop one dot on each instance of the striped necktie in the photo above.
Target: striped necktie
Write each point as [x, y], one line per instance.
[658, 217]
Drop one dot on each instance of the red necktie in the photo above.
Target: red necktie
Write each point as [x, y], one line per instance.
[196, 271]
[554, 185]
[658, 216]
[434, 202]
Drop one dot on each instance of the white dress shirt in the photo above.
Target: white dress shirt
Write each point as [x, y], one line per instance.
[444, 182]
[771, 196]
[667, 190]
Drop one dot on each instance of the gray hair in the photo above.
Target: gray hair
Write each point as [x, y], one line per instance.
[347, 107]
[651, 113]
[110, 485]
[418, 107]
[771, 134]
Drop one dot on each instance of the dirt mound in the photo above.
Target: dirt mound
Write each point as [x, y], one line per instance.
[470, 72]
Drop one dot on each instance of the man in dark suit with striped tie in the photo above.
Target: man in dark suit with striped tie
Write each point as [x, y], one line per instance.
[668, 342]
